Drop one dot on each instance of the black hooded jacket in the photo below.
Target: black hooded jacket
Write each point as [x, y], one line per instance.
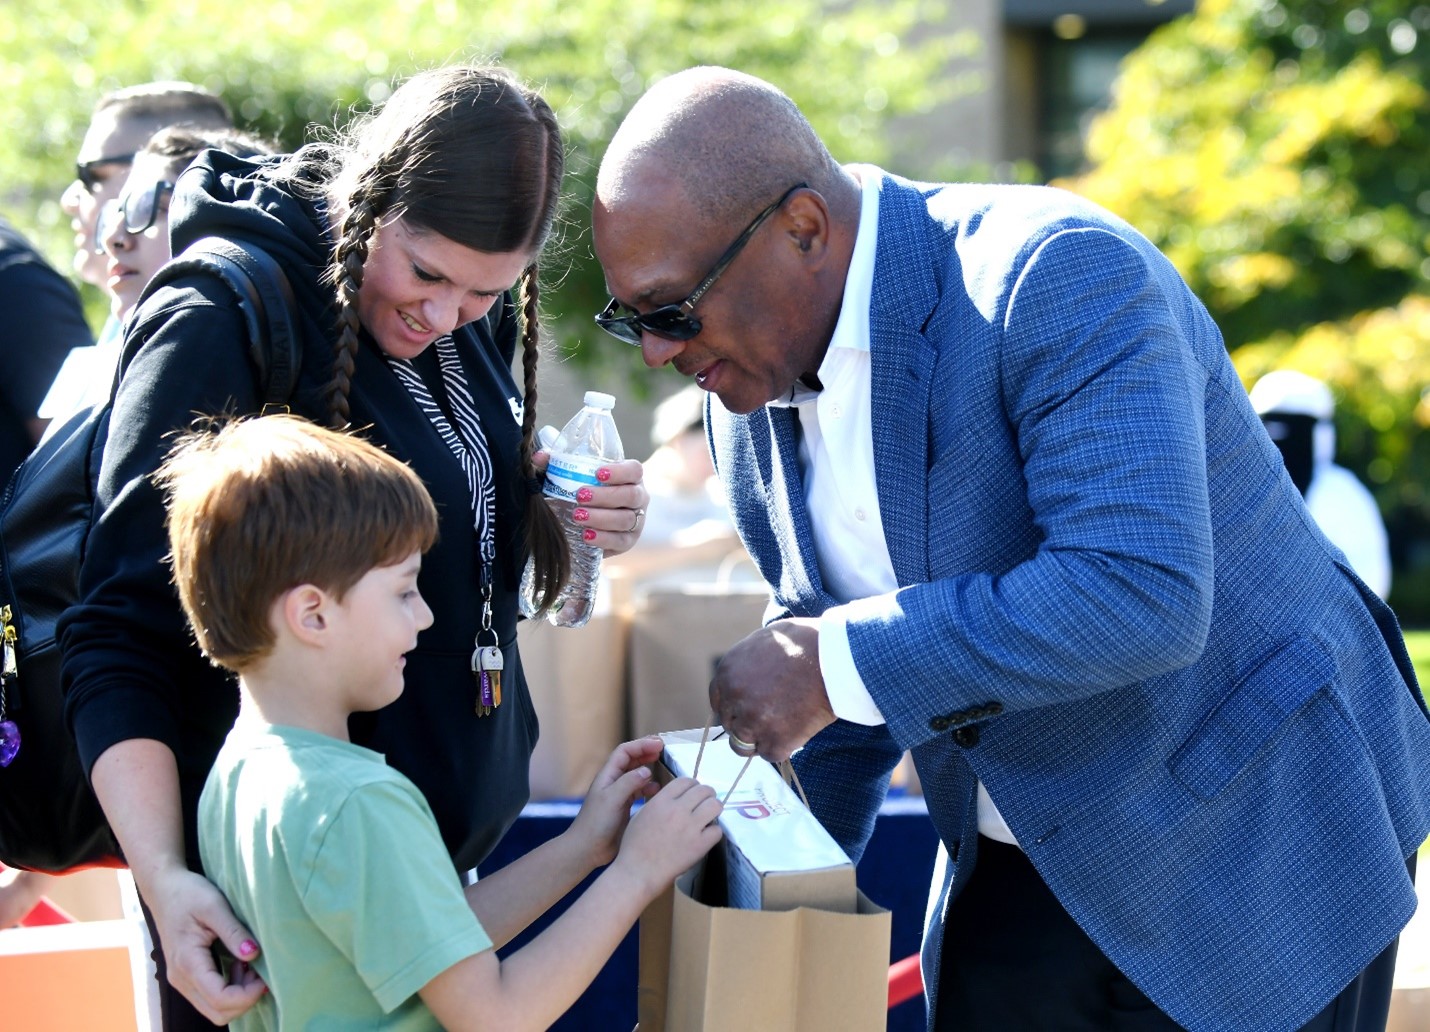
[131, 667]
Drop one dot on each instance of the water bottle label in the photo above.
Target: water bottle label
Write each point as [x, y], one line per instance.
[567, 474]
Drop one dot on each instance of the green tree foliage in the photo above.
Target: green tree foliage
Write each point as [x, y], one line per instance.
[1279, 152]
[288, 67]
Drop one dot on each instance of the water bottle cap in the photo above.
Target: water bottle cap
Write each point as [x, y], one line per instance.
[596, 399]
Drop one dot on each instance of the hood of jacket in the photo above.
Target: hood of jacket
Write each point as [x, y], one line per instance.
[251, 200]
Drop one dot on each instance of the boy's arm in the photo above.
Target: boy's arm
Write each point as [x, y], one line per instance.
[538, 983]
[508, 900]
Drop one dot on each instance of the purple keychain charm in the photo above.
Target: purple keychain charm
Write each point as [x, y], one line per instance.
[9, 669]
[9, 742]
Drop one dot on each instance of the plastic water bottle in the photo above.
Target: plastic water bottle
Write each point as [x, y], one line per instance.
[588, 442]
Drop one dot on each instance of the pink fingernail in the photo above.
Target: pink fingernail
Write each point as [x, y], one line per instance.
[248, 947]
[603, 475]
[588, 535]
[585, 494]
[580, 515]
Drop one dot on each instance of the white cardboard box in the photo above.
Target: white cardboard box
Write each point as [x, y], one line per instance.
[776, 855]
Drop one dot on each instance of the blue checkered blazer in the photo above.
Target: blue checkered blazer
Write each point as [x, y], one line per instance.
[1202, 728]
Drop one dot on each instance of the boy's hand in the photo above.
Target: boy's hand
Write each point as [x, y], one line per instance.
[671, 832]
[607, 809]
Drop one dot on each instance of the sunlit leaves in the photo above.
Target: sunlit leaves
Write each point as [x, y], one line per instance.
[1278, 152]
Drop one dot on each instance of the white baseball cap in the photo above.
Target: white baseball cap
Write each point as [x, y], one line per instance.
[1292, 393]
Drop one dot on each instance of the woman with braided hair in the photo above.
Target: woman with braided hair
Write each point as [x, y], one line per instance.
[411, 246]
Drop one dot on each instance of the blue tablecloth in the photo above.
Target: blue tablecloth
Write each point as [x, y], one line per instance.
[894, 873]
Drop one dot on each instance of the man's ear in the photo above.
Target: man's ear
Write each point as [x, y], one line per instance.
[304, 611]
[806, 218]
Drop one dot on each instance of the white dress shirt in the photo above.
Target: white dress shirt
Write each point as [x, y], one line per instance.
[836, 456]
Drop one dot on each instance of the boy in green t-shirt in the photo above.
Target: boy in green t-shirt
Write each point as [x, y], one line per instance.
[296, 551]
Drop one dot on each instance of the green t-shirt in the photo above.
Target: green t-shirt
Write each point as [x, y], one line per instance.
[333, 860]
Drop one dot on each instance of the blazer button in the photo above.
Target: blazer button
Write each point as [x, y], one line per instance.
[967, 736]
[939, 724]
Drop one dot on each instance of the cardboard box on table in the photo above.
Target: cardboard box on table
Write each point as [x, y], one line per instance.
[681, 625]
[576, 676]
[814, 957]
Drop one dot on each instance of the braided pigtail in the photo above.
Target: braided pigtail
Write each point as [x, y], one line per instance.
[545, 537]
[349, 257]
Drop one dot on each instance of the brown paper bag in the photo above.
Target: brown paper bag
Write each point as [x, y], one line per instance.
[714, 969]
[678, 634]
[576, 676]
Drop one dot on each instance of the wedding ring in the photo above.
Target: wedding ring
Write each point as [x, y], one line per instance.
[740, 744]
[636, 521]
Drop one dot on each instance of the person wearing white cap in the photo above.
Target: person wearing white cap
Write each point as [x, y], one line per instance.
[687, 503]
[1297, 411]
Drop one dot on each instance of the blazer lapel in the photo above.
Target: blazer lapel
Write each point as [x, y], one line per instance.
[903, 361]
[773, 445]
[792, 527]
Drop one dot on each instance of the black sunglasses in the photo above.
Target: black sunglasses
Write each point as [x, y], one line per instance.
[677, 321]
[85, 171]
[135, 211]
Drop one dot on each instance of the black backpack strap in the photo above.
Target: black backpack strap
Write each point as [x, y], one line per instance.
[265, 297]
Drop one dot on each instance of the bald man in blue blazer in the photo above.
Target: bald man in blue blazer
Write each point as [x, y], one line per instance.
[1019, 517]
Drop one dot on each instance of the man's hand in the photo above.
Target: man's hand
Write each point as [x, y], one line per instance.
[768, 691]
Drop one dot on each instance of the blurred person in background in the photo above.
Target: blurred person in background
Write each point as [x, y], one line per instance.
[121, 123]
[43, 321]
[1298, 412]
[134, 229]
[60, 364]
[687, 505]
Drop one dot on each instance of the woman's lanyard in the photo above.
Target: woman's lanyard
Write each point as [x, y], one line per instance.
[469, 445]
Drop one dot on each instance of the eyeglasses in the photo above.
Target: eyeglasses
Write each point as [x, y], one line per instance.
[85, 171]
[135, 211]
[677, 321]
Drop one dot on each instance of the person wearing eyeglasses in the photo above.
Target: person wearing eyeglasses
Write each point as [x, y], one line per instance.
[134, 228]
[1019, 516]
[121, 123]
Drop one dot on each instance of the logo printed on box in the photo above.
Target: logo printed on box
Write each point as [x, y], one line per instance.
[755, 807]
